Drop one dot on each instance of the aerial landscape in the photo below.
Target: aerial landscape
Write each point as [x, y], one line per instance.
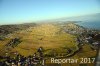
[35, 35]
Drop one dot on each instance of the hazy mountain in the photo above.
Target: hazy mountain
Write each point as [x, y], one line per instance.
[88, 21]
[91, 17]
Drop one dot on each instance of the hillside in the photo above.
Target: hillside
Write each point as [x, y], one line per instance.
[53, 37]
[58, 40]
[49, 36]
[6, 29]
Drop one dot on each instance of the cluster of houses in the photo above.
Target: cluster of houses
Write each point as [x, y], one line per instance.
[19, 60]
[90, 37]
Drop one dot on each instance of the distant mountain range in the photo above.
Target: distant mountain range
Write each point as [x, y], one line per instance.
[88, 21]
[92, 17]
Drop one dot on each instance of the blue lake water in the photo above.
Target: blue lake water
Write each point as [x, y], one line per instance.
[90, 25]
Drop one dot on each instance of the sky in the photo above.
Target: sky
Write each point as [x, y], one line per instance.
[22, 11]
